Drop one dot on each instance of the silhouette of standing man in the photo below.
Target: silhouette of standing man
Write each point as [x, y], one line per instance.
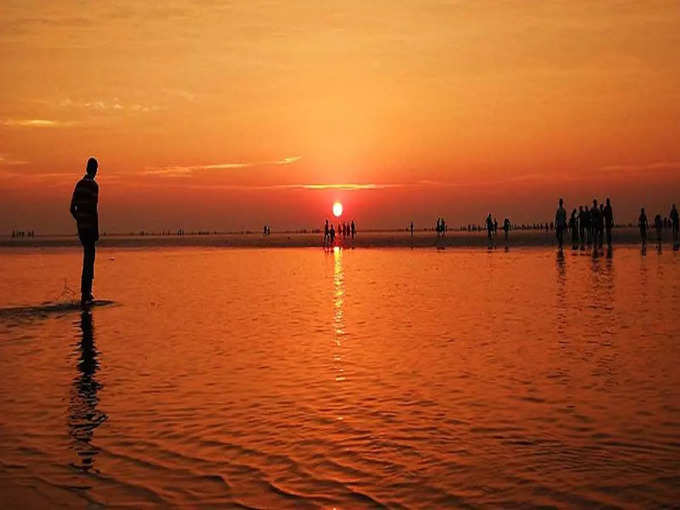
[560, 223]
[643, 224]
[84, 210]
[609, 221]
[675, 222]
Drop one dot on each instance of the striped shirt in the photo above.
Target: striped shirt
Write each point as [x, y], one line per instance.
[84, 204]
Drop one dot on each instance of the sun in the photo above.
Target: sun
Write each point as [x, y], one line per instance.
[337, 209]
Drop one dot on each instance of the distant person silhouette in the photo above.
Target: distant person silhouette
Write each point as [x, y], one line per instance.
[643, 224]
[609, 221]
[675, 223]
[84, 209]
[506, 230]
[658, 225]
[595, 224]
[332, 234]
[582, 226]
[326, 233]
[588, 223]
[489, 229]
[411, 229]
[600, 226]
[560, 223]
[573, 226]
[354, 229]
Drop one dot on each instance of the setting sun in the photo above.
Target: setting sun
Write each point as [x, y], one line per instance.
[337, 209]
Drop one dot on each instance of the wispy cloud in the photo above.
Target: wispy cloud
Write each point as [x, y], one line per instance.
[656, 165]
[105, 105]
[36, 123]
[11, 162]
[279, 187]
[345, 187]
[185, 171]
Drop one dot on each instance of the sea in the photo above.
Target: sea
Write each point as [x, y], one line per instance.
[342, 378]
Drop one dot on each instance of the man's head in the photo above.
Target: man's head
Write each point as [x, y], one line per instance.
[595, 202]
[92, 166]
[561, 202]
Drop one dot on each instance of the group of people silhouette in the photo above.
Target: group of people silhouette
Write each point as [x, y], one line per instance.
[588, 225]
[344, 229]
[660, 223]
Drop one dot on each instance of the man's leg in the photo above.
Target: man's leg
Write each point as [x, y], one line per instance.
[88, 268]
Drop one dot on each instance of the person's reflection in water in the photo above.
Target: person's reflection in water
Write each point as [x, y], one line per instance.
[560, 306]
[84, 417]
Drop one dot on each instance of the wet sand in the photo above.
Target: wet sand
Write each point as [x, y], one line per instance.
[377, 239]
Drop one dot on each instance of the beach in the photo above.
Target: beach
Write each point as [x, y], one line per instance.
[301, 378]
[370, 239]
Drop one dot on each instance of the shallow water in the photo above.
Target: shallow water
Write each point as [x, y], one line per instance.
[299, 378]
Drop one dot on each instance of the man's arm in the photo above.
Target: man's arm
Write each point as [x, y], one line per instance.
[73, 202]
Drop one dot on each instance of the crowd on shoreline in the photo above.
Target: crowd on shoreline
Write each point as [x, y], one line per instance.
[590, 226]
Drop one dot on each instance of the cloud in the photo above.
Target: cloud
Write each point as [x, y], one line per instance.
[185, 171]
[103, 106]
[281, 187]
[36, 123]
[11, 162]
[345, 187]
[657, 165]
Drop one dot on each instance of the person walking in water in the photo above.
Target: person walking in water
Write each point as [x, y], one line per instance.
[489, 229]
[643, 224]
[573, 225]
[595, 224]
[609, 222]
[658, 225]
[587, 224]
[582, 226]
[411, 229]
[560, 223]
[675, 224]
[506, 230]
[354, 229]
[326, 233]
[600, 226]
[84, 209]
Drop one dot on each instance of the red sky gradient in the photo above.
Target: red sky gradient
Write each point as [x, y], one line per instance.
[228, 115]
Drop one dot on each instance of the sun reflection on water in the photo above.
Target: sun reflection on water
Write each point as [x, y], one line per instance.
[338, 313]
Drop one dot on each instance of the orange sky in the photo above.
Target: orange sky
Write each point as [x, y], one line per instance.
[220, 115]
